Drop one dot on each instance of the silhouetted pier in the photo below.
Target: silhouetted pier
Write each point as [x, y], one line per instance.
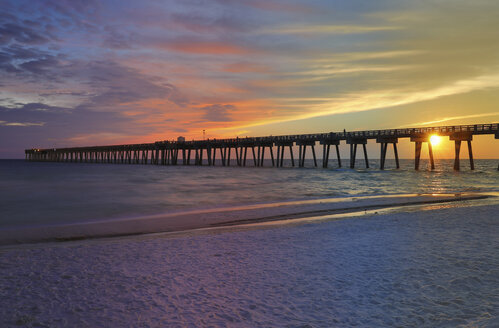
[235, 151]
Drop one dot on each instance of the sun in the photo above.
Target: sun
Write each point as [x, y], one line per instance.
[435, 140]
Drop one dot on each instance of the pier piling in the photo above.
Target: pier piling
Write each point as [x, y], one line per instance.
[354, 141]
[384, 141]
[418, 140]
[458, 137]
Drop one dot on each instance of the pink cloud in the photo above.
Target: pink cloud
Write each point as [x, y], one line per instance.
[246, 67]
[205, 47]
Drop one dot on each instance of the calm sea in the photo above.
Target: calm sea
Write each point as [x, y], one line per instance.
[34, 193]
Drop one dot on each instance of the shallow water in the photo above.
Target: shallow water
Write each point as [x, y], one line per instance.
[33, 193]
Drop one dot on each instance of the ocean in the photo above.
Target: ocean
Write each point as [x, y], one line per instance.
[418, 250]
[38, 193]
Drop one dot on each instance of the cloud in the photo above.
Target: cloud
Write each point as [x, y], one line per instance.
[54, 123]
[102, 84]
[81, 14]
[22, 30]
[246, 67]
[453, 118]
[370, 100]
[280, 6]
[114, 84]
[207, 23]
[328, 29]
[217, 112]
[28, 62]
[119, 37]
[22, 34]
[40, 66]
[203, 47]
[65, 93]
[4, 123]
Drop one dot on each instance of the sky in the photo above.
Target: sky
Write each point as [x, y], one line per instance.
[84, 72]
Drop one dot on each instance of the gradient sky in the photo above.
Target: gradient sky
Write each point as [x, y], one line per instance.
[81, 72]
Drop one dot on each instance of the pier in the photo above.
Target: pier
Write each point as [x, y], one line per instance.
[251, 151]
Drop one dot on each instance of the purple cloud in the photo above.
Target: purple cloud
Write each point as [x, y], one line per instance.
[217, 113]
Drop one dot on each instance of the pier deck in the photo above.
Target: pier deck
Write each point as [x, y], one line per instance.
[192, 152]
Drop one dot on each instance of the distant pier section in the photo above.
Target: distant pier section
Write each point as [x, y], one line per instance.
[251, 151]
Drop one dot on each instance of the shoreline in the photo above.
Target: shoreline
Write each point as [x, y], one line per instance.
[230, 217]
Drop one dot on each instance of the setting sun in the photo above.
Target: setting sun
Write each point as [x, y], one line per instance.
[435, 140]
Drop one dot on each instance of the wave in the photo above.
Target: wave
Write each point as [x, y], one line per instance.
[249, 215]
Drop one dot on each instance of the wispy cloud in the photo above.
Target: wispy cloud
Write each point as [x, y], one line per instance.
[21, 124]
[358, 102]
[328, 29]
[453, 118]
[196, 46]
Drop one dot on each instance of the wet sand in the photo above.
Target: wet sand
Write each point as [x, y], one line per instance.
[331, 208]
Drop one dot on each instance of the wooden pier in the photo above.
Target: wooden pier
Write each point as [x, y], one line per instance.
[235, 151]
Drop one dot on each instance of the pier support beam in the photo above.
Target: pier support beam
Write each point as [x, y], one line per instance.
[263, 155]
[281, 147]
[458, 137]
[208, 155]
[272, 155]
[497, 137]
[384, 141]
[245, 155]
[353, 142]
[238, 162]
[241, 153]
[418, 140]
[260, 157]
[327, 143]
[325, 155]
[302, 144]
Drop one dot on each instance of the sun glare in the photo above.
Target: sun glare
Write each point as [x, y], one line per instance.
[435, 140]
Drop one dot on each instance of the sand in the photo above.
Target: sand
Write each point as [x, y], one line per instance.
[432, 268]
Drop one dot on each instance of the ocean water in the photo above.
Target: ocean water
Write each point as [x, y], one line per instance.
[36, 193]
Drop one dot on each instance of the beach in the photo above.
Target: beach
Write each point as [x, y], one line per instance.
[249, 164]
[415, 268]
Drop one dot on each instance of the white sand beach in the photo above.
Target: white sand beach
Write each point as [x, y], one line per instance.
[425, 267]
